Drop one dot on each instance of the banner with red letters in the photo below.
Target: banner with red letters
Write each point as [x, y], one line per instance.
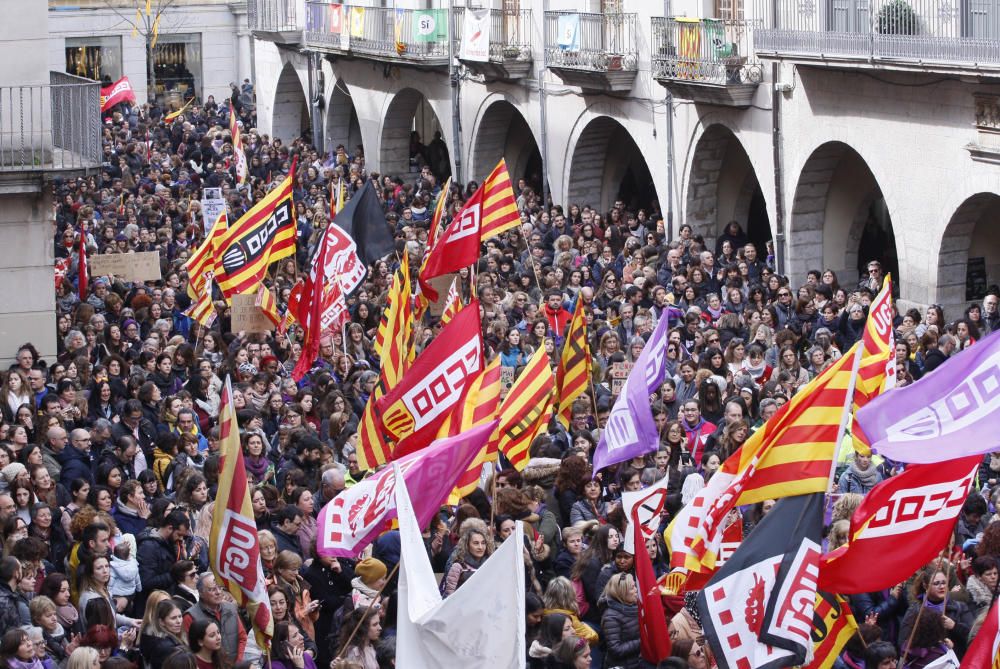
[116, 93]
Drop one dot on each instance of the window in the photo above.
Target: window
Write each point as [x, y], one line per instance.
[96, 58]
[177, 64]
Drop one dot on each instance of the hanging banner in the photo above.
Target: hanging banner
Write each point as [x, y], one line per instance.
[336, 19]
[569, 32]
[116, 93]
[430, 25]
[357, 21]
[476, 35]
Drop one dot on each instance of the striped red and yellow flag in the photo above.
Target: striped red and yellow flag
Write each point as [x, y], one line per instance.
[201, 264]
[263, 235]
[394, 349]
[480, 404]
[499, 204]
[453, 303]
[833, 627]
[172, 116]
[877, 371]
[239, 155]
[267, 304]
[287, 320]
[435, 231]
[202, 309]
[526, 410]
[573, 374]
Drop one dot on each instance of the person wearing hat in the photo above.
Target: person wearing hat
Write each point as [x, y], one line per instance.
[369, 579]
[12, 473]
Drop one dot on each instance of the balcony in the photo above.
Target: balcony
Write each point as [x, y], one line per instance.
[406, 36]
[593, 51]
[54, 127]
[278, 21]
[925, 35]
[706, 60]
[507, 53]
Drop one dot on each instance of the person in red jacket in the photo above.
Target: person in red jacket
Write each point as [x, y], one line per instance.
[697, 428]
[556, 314]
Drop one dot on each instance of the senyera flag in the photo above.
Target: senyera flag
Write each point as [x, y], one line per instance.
[116, 93]
[233, 547]
[917, 509]
[354, 518]
[949, 413]
[877, 370]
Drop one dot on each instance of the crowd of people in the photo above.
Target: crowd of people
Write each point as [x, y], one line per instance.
[109, 459]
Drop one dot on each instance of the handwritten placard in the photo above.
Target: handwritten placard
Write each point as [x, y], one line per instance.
[247, 316]
[619, 372]
[144, 266]
[506, 380]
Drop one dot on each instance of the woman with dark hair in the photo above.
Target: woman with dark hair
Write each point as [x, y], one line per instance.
[101, 498]
[288, 649]
[473, 549]
[17, 650]
[587, 570]
[710, 401]
[555, 627]
[573, 472]
[101, 403]
[56, 587]
[361, 648]
[982, 584]
[930, 594]
[164, 634]
[205, 640]
[93, 584]
[930, 641]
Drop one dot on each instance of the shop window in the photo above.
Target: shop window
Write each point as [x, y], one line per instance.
[98, 58]
[177, 63]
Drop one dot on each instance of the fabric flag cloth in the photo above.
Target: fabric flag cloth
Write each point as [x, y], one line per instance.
[343, 260]
[439, 207]
[646, 505]
[355, 517]
[946, 414]
[499, 203]
[117, 93]
[363, 219]
[83, 272]
[792, 454]
[526, 410]
[201, 265]
[172, 116]
[757, 611]
[654, 637]
[479, 405]
[833, 627]
[202, 308]
[306, 304]
[452, 303]
[412, 411]
[392, 346]
[267, 304]
[575, 365]
[877, 371]
[984, 651]
[233, 548]
[457, 247]
[239, 154]
[919, 508]
[263, 235]
[630, 430]
[480, 625]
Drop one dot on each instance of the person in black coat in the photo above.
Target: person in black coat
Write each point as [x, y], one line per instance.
[158, 551]
[329, 584]
[930, 590]
[620, 624]
[75, 459]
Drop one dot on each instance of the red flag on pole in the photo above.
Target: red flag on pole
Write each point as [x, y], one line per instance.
[458, 246]
[310, 312]
[984, 651]
[653, 634]
[82, 265]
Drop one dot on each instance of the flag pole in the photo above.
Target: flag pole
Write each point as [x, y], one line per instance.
[372, 603]
[845, 415]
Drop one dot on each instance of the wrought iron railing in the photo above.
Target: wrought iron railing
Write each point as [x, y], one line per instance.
[713, 51]
[510, 33]
[595, 42]
[418, 34]
[274, 16]
[54, 126]
[943, 32]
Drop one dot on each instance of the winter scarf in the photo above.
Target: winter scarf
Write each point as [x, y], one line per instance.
[867, 478]
[980, 594]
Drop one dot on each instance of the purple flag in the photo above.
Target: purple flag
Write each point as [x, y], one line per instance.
[630, 430]
[950, 413]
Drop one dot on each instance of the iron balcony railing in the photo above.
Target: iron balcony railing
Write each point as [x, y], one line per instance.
[510, 33]
[274, 16]
[926, 32]
[712, 51]
[414, 34]
[594, 42]
[54, 126]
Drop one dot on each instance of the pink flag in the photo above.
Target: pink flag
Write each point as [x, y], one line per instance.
[359, 514]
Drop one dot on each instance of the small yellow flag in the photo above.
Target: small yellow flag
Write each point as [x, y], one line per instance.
[156, 31]
[138, 22]
[149, 8]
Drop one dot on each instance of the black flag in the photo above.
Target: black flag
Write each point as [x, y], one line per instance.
[363, 218]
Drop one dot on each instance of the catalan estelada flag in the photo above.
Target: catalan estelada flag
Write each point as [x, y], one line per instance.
[527, 409]
[499, 204]
[833, 626]
[877, 371]
[263, 235]
[393, 347]
[234, 551]
[203, 260]
[573, 373]
[792, 454]
[479, 406]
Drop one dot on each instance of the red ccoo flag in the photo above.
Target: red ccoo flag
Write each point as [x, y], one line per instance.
[82, 265]
[984, 651]
[653, 635]
[458, 246]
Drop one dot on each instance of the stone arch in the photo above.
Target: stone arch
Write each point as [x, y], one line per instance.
[342, 125]
[606, 163]
[409, 110]
[290, 116]
[724, 187]
[839, 217]
[503, 132]
[968, 229]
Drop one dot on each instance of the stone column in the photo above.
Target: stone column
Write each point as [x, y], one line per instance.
[244, 70]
